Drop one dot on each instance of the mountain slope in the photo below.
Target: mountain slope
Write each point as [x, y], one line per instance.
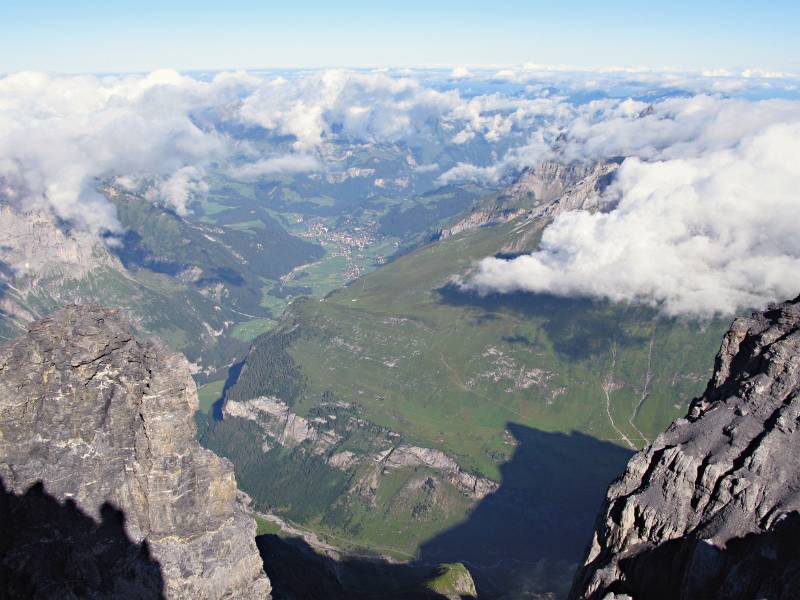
[96, 426]
[401, 359]
[711, 508]
[189, 283]
[48, 265]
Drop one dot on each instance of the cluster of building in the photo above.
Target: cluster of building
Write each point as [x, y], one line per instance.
[349, 241]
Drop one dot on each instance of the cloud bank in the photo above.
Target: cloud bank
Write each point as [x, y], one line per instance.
[287, 163]
[708, 234]
[373, 107]
[703, 217]
[58, 134]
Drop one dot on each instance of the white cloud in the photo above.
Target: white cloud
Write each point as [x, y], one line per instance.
[669, 128]
[717, 73]
[505, 75]
[427, 168]
[704, 235]
[362, 106]
[289, 163]
[766, 74]
[58, 134]
[495, 116]
[612, 79]
[515, 160]
[180, 187]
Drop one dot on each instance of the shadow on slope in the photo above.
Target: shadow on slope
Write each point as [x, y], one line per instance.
[297, 571]
[524, 540]
[577, 327]
[534, 529]
[50, 550]
[230, 380]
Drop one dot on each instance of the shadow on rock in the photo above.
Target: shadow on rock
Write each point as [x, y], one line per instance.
[758, 565]
[52, 550]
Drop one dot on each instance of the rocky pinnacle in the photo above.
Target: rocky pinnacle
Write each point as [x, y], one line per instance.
[710, 509]
[97, 426]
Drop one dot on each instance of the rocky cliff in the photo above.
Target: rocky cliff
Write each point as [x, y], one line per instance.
[280, 425]
[555, 187]
[540, 192]
[710, 509]
[37, 255]
[105, 492]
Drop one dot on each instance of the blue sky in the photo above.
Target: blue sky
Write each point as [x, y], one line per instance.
[82, 36]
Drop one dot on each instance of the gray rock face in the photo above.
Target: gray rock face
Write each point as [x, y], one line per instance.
[99, 421]
[710, 509]
[38, 255]
[562, 187]
[541, 193]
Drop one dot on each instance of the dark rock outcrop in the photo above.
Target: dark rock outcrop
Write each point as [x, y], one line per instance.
[712, 508]
[97, 439]
[52, 549]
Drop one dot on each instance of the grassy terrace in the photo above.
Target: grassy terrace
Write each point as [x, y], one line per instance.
[546, 396]
[450, 370]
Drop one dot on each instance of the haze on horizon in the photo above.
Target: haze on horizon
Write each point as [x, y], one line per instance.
[87, 36]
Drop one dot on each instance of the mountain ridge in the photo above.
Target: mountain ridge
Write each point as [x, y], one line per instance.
[188, 282]
[539, 192]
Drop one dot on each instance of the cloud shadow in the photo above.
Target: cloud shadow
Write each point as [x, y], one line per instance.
[579, 328]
